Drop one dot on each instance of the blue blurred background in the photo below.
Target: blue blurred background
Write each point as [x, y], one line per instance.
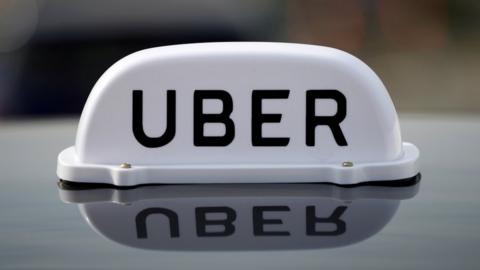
[53, 51]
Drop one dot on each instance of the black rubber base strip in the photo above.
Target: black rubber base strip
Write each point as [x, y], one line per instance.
[72, 185]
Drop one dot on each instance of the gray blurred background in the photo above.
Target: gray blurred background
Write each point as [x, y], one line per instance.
[53, 51]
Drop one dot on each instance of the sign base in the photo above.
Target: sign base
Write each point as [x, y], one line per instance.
[346, 173]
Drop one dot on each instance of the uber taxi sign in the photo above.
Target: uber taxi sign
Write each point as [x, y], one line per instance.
[238, 112]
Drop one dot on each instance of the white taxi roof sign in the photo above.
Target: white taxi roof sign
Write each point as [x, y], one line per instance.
[238, 112]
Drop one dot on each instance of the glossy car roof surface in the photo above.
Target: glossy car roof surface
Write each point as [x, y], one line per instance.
[437, 227]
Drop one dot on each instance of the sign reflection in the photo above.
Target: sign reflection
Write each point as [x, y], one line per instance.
[238, 216]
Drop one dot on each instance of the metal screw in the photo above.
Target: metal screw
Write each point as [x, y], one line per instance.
[125, 165]
[347, 164]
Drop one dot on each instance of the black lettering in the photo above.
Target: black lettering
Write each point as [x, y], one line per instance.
[334, 218]
[203, 222]
[141, 221]
[258, 118]
[137, 120]
[259, 221]
[333, 122]
[199, 118]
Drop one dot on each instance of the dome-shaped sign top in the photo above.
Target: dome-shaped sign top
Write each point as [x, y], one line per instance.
[238, 112]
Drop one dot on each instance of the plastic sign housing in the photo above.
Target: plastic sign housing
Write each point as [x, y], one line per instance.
[238, 112]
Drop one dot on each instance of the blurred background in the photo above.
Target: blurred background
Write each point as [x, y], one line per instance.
[427, 52]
